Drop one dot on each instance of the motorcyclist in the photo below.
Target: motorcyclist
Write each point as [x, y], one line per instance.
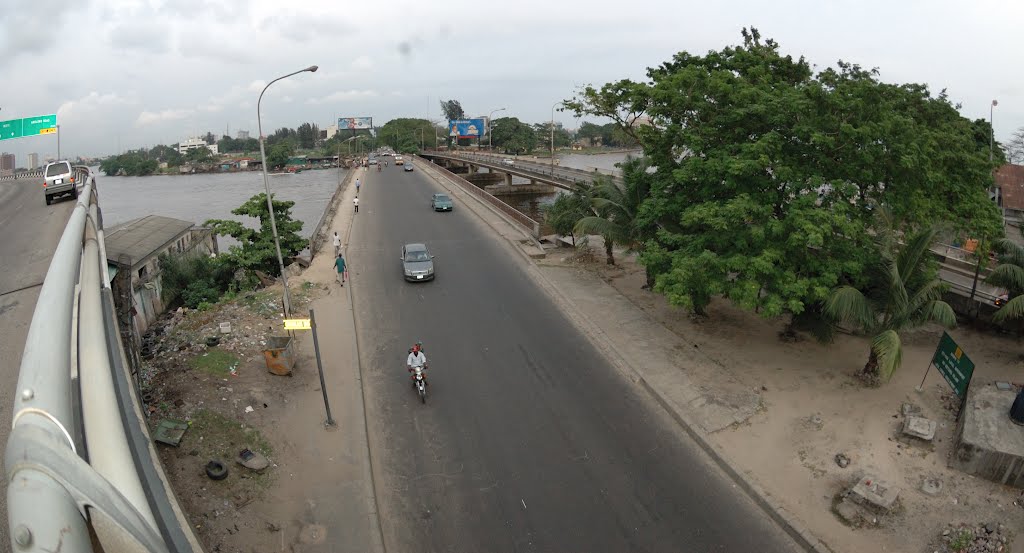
[417, 359]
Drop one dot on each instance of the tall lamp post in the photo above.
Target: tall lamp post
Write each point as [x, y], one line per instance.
[553, 106]
[489, 127]
[991, 129]
[266, 185]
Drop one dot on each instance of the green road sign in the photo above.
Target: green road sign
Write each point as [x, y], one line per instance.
[954, 365]
[10, 129]
[29, 126]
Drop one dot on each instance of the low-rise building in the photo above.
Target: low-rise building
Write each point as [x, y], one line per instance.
[133, 252]
[33, 161]
[193, 143]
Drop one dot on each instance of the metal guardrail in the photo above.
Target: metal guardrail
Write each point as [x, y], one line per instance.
[22, 175]
[79, 457]
[532, 227]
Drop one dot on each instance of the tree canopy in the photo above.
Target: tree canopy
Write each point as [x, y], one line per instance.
[404, 134]
[452, 109]
[765, 176]
[257, 251]
[513, 136]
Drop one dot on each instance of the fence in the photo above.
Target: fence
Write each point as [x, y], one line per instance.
[528, 224]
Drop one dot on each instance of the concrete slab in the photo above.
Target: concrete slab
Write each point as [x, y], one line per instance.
[988, 443]
[919, 427]
[874, 493]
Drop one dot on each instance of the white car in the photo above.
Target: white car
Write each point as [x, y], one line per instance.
[508, 162]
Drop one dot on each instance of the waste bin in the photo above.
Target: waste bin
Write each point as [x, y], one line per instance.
[279, 355]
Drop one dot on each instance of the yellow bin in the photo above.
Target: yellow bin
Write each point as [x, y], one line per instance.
[279, 355]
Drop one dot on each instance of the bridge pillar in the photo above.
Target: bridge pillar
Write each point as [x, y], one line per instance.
[508, 179]
[473, 168]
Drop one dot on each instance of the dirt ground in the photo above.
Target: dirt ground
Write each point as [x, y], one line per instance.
[231, 402]
[815, 408]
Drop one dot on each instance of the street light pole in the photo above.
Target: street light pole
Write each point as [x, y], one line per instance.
[991, 129]
[266, 185]
[553, 136]
[489, 128]
[58, 142]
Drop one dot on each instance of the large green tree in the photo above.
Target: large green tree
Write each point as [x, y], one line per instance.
[257, 251]
[902, 293]
[764, 175]
[452, 109]
[512, 136]
[403, 134]
[567, 210]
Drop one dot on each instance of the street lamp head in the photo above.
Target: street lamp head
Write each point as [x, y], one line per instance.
[312, 68]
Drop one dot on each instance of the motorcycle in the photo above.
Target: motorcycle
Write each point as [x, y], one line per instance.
[419, 382]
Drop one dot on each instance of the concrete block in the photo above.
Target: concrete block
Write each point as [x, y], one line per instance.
[876, 494]
[988, 443]
[919, 427]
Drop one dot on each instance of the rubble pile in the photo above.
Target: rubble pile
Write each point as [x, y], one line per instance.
[987, 537]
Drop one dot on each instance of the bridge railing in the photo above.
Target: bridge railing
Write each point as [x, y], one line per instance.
[568, 175]
[79, 459]
[22, 175]
[528, 224]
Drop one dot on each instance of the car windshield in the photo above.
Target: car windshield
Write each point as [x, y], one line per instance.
[441, 198]
[417, 255]
[57, 169]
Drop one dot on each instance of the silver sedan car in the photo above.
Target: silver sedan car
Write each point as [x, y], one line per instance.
[417, 263]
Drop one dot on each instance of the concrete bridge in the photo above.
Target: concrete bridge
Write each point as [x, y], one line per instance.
[544, 179]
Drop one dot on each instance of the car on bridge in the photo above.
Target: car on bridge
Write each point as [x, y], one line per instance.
[59, 180]
[399, 160]
[417, 263]
[441, 202]
[508, 161]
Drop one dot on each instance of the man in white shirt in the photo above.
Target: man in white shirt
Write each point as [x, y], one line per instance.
[355, 202]
[416, 359]
[337, 244]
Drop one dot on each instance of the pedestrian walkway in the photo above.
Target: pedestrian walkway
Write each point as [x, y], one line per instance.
[330, 507]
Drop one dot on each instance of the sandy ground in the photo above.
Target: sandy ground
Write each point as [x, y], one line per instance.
[814, 408]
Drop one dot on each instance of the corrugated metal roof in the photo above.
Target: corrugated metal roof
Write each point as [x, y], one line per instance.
[142, 237]
[1010, 178]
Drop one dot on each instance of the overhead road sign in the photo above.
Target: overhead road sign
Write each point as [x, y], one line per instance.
[28, 126]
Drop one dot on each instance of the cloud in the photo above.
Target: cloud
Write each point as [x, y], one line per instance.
[29, 26]
[362, 63]
[151, 38]
[342, 95]
[75, 110]
[303, 28]
[153, 117]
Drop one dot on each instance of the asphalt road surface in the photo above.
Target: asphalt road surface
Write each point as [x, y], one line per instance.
[31, 230]
[529, 440]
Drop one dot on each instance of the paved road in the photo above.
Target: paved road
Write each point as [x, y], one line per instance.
[529, 440]
[31, 230]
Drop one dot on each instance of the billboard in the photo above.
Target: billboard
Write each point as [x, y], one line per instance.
[465, 128]
[355, 123]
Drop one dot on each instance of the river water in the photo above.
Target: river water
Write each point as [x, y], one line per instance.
[200, 197]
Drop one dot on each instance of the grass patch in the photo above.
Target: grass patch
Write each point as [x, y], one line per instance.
[216, 436]
[215, 361]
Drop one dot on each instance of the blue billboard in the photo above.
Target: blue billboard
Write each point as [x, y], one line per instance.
[355, 123]
[465, 128]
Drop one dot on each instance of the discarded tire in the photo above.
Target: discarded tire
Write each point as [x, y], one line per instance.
[216, 470]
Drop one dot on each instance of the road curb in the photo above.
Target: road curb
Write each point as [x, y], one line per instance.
[794, 528]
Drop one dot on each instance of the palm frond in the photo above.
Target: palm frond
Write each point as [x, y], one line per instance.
[929, 291]
[938, 311]
[847, 304]
[1007, 276]
[1010, 251]
[889, 349]
[915, 250]
[1014, 309]
[594, 225]
[895, 289]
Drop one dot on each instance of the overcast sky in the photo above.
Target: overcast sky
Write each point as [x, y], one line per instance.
[127, 74]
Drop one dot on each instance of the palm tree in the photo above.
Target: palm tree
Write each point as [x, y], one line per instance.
[904, 293]
[616, 207]
[1009, 274]
[567, 209]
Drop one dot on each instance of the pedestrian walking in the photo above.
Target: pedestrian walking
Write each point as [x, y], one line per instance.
[337, 244]
[355, 202]
[342, 268]
[357, 186]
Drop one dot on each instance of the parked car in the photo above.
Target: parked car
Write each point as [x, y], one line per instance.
[441, 202]
[417, 263]
[58, 180]
[407, 167]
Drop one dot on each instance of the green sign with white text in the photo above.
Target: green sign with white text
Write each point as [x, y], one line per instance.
[953, 364]
[28, 126]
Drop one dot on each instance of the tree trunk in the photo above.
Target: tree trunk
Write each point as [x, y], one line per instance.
[870, 372]
[573, 236]
[649, 277]
[608, 251]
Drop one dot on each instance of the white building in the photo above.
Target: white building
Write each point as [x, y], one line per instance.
[193, 143]
[331, 131]
[33, 161]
